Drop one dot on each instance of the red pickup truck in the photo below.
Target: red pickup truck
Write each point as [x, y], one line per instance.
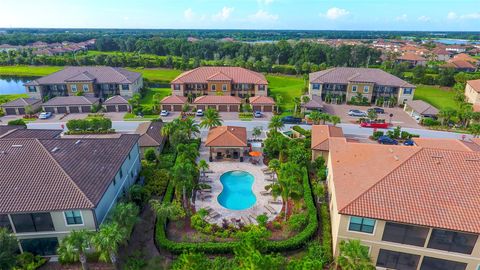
[374, 124]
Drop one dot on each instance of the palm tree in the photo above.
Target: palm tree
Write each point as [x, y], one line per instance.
[278, 101]
[75, 245]
[168, 210]
[203, 166]
[185, 108]
[305, 99]
[324, 117]
[189, 151]
[446, 115]
[475, 130]
[211, 119]
[191, 127]
[107, 240]
[157, 99]
[315, 116]
[183, 177]
[257, 131]
[276, 123]
[335, 119]
[274, 165]
[354, 256]
[296, 101]
[288, 184]
[125, 215]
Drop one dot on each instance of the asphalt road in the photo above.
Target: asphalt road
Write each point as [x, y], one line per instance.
[350, 129]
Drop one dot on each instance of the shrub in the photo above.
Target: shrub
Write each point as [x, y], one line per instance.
[150, 155]
[377, 134]
[156, 181]
[28, 261]
[90, 125]
[430, 122]
[297, 221]
[262, 220]
[138, 194]
[18, 122]
[326, 232]
[306, 133]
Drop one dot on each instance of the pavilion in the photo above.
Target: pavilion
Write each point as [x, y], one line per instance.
[227, 143]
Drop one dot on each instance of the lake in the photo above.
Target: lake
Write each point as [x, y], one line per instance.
[451, 41]
[13, 84]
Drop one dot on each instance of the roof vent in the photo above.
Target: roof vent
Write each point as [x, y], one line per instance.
[472, 159]
[3, 152]
[396, 158]
[55, 149]
[78, 142]
[437, 156]
[390, 149]
[17, 145]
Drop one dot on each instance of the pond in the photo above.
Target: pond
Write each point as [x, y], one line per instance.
[13, 84]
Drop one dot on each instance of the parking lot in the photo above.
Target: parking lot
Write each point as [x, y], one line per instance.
[114, 116]
[400, 117]
[226, 116]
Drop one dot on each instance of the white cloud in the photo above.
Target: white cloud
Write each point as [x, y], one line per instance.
[470, 16]
[424, 18]
[265, 2]
[335, 13]
[402, 18]
[188, 14]
[452, 15]
[263, 16]
[224, 14]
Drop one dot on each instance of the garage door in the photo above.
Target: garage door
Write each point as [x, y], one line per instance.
[177, 108]
[257, 108]
[268, 108]
[222, 108]
[167, 107]
[111, 108]
[74, 109]
[21, 110]
[86, 108]
[200, 107]
[10, 111]
[123, 108]
[62, 109]
[234, 108]
[49, 109]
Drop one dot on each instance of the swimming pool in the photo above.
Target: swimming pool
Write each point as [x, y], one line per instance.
[237, 191]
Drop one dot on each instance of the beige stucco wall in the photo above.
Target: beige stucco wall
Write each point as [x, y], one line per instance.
[218, 88]
[402, 98]
[318, 153]
[261, 93]
[312, 92]
[79, 88]
[471, 95]
[360, 89]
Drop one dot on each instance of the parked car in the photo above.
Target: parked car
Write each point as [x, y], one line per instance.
[199, 112]
[164, 113]
[379, 123]
[291, 120]
[357, 113]
[377, 110]
[45, 115]
[258, 114]
[409, 143]
[387, 140]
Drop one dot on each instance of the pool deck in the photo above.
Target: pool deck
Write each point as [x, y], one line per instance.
[221, 167]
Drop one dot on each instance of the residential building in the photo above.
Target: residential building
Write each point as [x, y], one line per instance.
[413, 207]
[19, 106]
[440, 54]
[173, 103]
[456, 48]
[20, 132]
[262, 103]
[227, 142]
[219, 103]
[413, 59]
[466, 57]
[314, 104]
[150, 136]
[368, 82]
[419, 109]
[91, 81]
[472, 92]
[460, 65]
[70, 104]
[321, 135]
[227, 81]
[116, 104]
[50, 187]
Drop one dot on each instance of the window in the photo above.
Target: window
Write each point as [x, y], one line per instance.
[261, 88]
[366, 88]
[213, 87]
[121, 173]
[85, 88]
[176, 87]
[354, 88]
[316, 86]
[73, 87]
[40, 246]
[359, 224]
[37, 222]
[129, 155]
[224, 87]
[405, 234]
[452, 241]
[115, 180]
[397, 260]
[125, 87]
[131, 174]
[407, 91]
[430, 263]
[5, 222]
[32, 89]
[73, 217]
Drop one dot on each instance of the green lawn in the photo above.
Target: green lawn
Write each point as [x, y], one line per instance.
[28, 70]
[441, 98]
[160, 75]
[148, 98]
[286, 86]
[9, 97]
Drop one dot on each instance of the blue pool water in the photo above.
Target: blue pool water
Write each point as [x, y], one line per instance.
[237, 191]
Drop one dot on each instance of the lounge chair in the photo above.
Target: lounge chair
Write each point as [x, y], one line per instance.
[209, 171]
[208, 209]
[252, 218]
[213, 215]
[208, 190]
[266, 170]
[266, 192]
[275, 201]
[245, 220]
[204, 196]
[271, 210]
[271, 179]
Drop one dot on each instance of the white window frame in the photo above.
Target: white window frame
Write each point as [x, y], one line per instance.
[366, 89]
[364, 233]
[85, 86]
[73, 225]
[354, 88]
[73, 87]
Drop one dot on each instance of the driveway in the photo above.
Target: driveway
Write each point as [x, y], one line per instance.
[400, 117]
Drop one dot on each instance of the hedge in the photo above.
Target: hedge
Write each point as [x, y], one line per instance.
[292, 243]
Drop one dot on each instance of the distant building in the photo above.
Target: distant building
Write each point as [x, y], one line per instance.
[441, 54]
[456, 48]
[413, 59]
[91, 81]
[369, 82]
[472, 92]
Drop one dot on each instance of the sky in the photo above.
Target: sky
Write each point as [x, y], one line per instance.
[422, 15]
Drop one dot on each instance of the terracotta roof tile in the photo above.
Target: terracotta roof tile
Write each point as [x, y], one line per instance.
[236, 74]
[321, 135]
[71, 100]
[422, 107]
[173, 99]
[475, 84]
[227, 136]
[440, 143]
[150, 134]
[217, 100]
[262, 100]
[116, 100]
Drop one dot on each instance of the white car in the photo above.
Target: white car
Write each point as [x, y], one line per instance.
[44, 115]
[164, 113]
[199, 112]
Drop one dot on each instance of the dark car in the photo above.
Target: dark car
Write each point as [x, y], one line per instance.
[291, 120]
[377, 110]
[387, 140]
[408, 143]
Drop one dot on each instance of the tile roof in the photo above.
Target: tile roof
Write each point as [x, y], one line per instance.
[173, 99]
[32, 133]
[235, 74]
[227, 136]
[71, 100]
[315, 102]
[344, 75]
[411, 57]
[75, 175]
[413, 185]
[100, 74]
[465, 57]
[116, 100]
[321, 135]
[440, 143]
[150, 134]
[262, 100]
[475, 84]
[454, 63]
[21, 102]
[422, 107]
[5, 129]
[217, 100]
